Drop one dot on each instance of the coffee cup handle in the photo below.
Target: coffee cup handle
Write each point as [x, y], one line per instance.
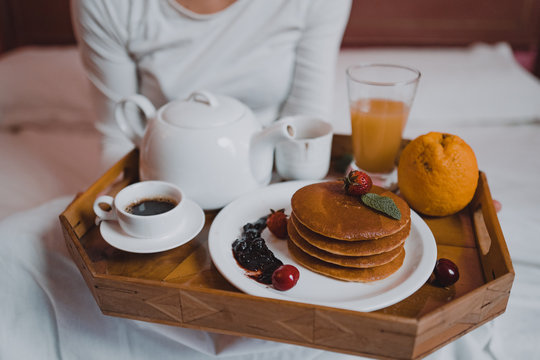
[133, 129]
[104, 214]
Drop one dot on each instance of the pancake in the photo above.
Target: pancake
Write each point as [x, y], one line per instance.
[346, 273]
[347, 261]
[351, 248]
[326, 209]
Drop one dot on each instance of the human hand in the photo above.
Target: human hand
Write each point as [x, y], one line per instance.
[497, 205]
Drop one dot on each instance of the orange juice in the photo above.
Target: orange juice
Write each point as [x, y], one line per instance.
[377, 126]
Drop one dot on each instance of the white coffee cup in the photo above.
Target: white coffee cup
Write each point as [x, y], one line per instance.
[307, 157]
[143, 226]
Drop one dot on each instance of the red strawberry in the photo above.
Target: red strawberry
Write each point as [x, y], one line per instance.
[277, 223]
[357, 183]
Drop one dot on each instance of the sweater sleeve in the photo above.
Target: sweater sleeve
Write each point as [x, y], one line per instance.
[101, 32]
[316, 55]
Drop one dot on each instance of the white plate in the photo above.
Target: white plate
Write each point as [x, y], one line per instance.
[313, 288]
[191, 224]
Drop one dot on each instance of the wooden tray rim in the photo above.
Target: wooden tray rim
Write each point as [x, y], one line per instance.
[497, 236]
[415, 326]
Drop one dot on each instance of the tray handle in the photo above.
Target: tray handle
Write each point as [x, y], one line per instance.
[79, 214]
[494, 254]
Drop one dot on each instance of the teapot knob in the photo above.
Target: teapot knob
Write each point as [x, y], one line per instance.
[205, 97]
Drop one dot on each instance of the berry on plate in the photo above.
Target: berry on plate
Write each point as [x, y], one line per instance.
[357, 183]
[277, 223]
[285, 277]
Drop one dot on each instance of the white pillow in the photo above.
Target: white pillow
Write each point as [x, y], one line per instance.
[477, 85]
[44, 86]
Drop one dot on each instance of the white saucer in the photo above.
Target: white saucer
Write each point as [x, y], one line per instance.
[192, 223]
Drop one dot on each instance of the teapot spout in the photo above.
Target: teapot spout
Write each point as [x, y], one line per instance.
[262, 146]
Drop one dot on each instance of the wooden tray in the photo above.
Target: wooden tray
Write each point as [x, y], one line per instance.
[182, 287]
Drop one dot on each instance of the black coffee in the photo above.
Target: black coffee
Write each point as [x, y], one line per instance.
[148, 207]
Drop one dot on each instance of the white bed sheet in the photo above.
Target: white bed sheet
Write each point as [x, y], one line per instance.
[41, 164]
[51, 308]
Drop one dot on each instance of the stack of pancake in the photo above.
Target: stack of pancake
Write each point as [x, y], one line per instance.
[335, 234]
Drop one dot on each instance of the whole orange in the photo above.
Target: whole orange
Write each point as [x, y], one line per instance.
[437, 174]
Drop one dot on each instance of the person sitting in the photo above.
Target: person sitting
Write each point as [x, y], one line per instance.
[278, 57]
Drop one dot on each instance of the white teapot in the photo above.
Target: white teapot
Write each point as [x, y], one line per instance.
[211, 146]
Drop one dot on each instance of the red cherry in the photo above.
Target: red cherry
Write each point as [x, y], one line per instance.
[446, 272]
[285, 277]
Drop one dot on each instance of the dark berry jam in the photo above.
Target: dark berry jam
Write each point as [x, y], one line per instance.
[251, 252]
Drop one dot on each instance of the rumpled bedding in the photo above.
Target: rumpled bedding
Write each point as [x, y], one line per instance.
[49, 313]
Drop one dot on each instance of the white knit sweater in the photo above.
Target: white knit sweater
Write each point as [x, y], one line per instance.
[276, 56]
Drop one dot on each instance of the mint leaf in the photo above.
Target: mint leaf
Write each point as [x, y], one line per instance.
[383, 204]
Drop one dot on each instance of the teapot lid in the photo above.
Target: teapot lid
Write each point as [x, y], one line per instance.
[203, 109]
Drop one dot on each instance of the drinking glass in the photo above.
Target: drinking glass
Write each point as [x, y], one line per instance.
[380, 98]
